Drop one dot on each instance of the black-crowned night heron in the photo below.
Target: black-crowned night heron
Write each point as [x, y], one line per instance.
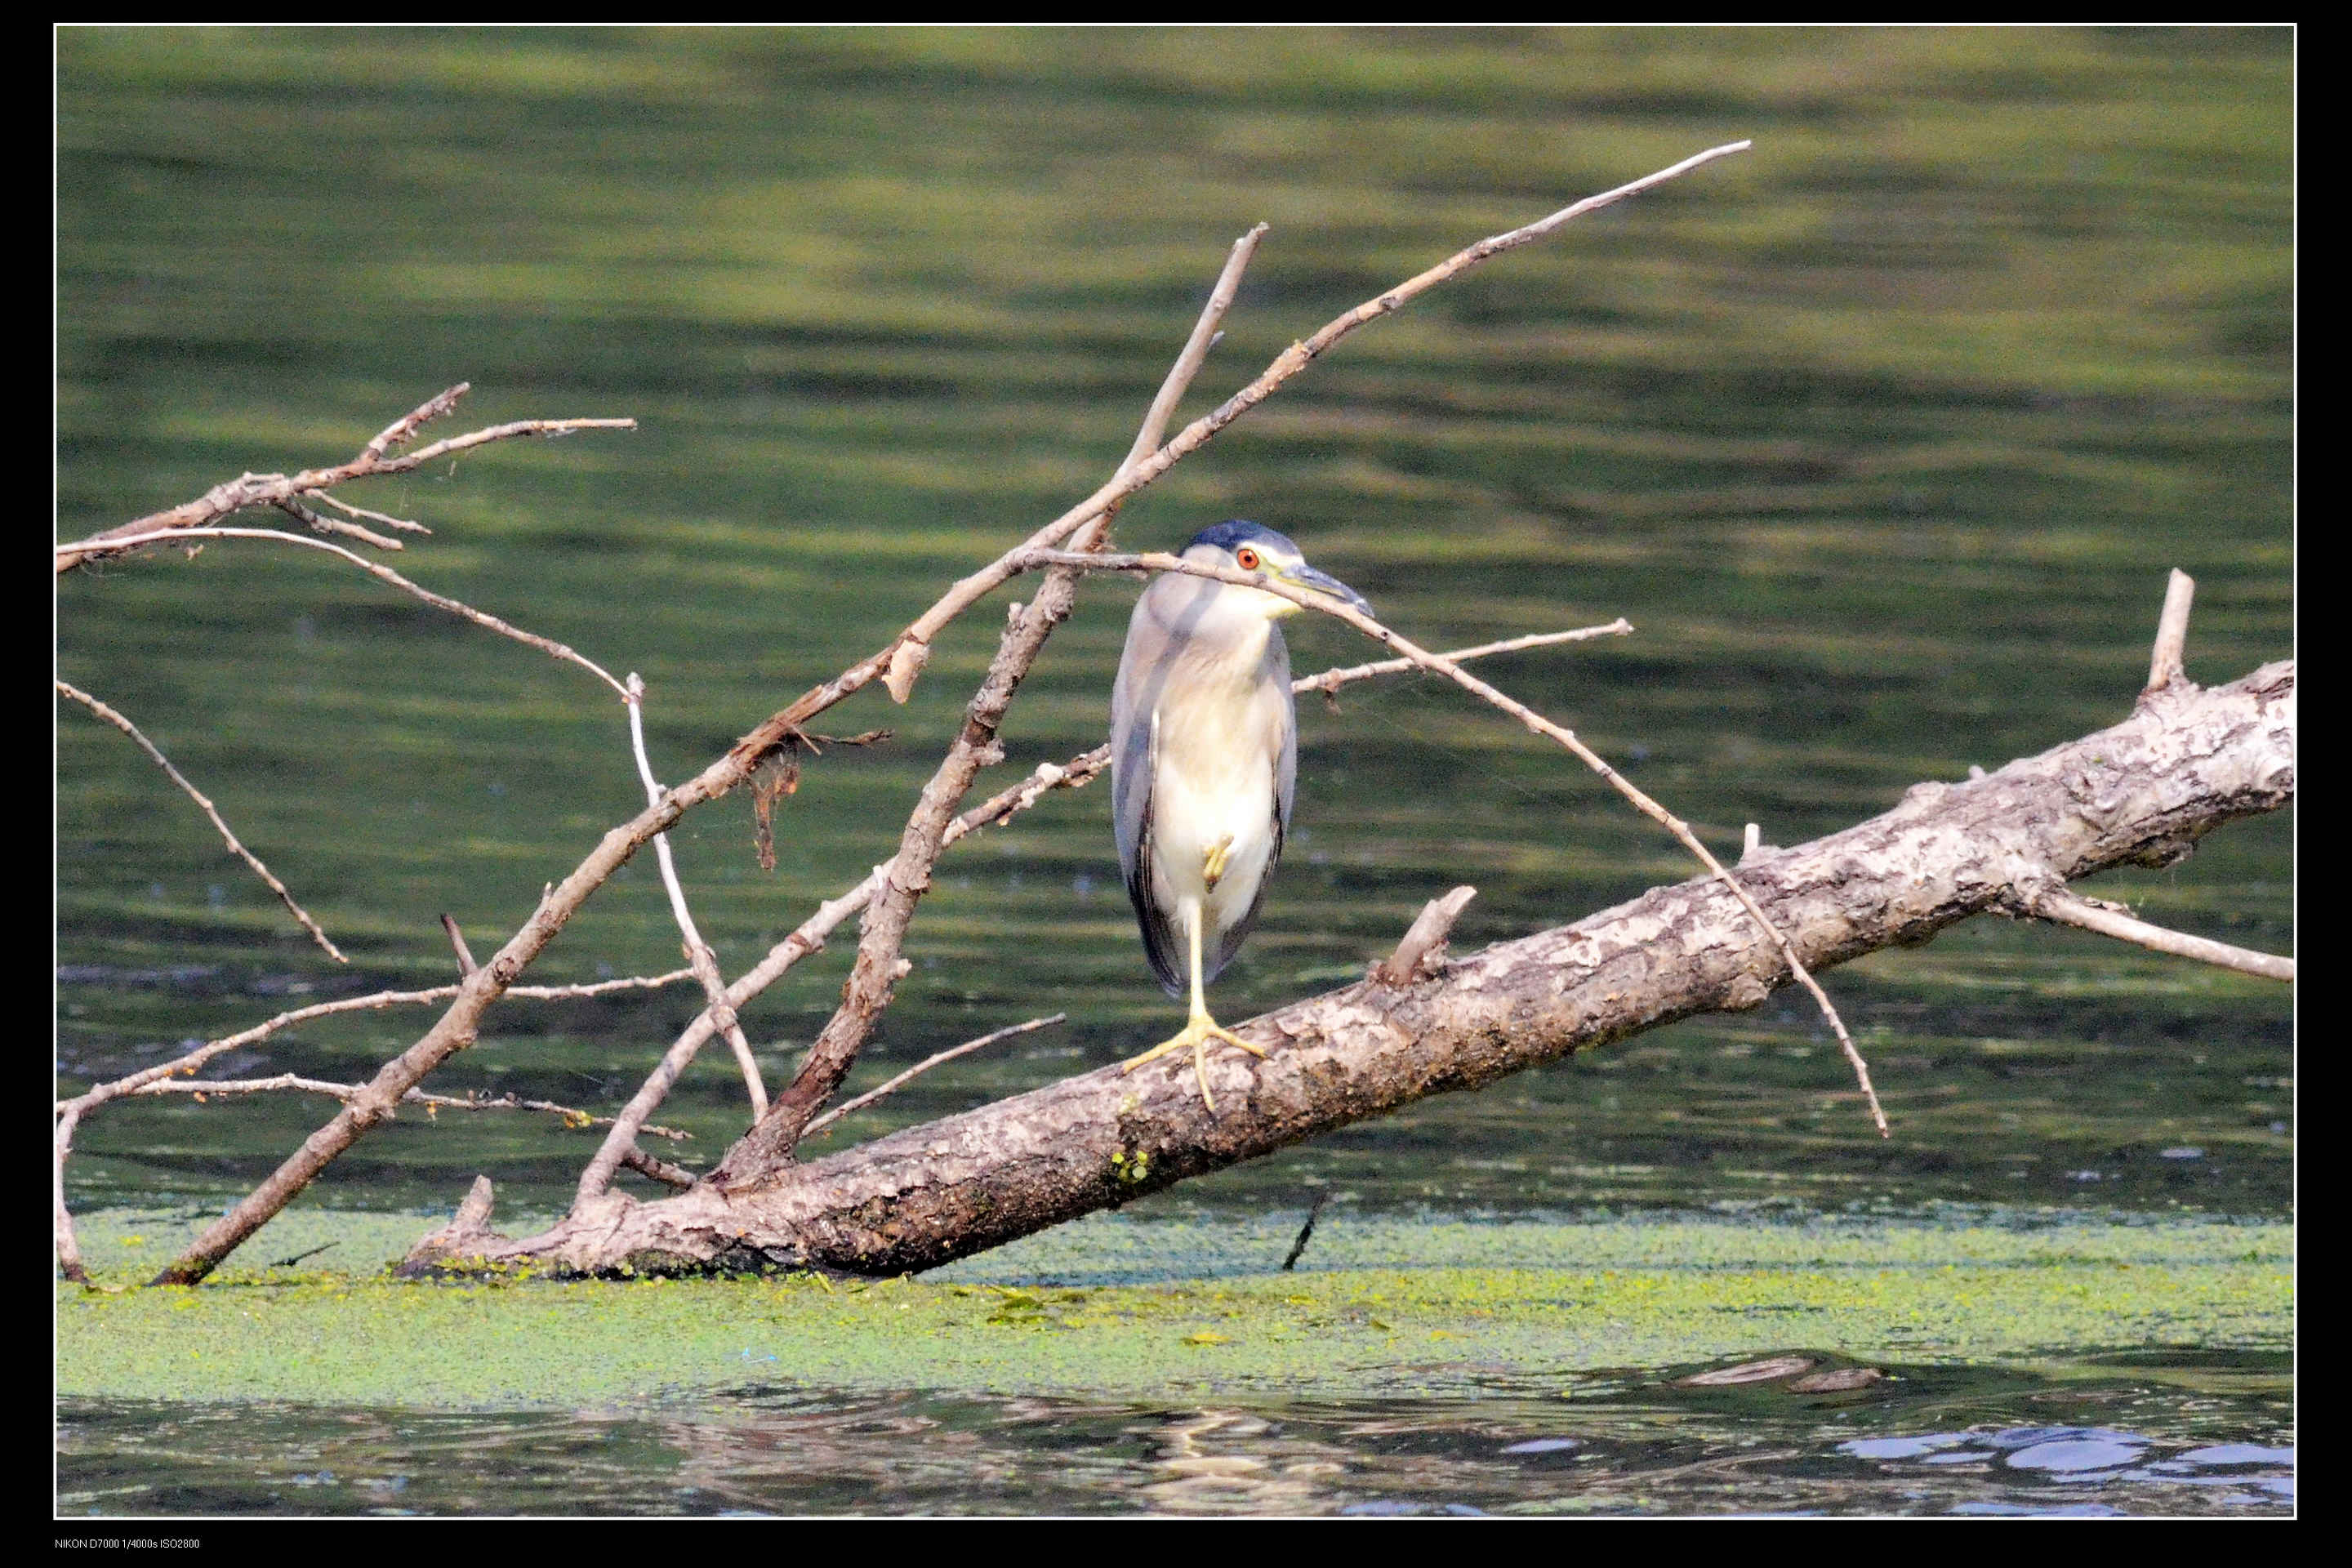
[1203, 757]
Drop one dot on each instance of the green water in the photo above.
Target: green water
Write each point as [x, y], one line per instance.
[1882, 434]
[1155, 1308]
[1971, 1360]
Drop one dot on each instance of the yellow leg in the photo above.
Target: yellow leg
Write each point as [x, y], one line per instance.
[1199, 1028]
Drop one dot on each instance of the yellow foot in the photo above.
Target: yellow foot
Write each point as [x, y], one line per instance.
[1194, 1038]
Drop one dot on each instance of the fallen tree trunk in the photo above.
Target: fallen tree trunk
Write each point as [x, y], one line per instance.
[2144, 791]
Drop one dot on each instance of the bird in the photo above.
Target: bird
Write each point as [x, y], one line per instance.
[1204, 760]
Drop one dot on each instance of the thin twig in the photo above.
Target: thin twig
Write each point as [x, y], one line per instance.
[914, 650]
[99, 1094]
[661, 1171]
[1206, 330]
[1330, 680]
[313, 1252]
[807, 938]
[920, 1068]
[203, 1088]
[339, 504]
[400, 430]
[551, 428]
[465, 965]
[596, 987]
[300, 514]
[480, 618]
[236, 848]
[2064, 908]
[2164, 664]
[573, 1114]
[274, 489]
[60, 1218]
[1533, 720]
[1305, 1232]
[698, 955]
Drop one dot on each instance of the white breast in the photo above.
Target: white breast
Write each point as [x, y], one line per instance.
[1222, 791]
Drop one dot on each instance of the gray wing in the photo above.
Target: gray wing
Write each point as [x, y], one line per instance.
[1134, 766]
[1285, 773]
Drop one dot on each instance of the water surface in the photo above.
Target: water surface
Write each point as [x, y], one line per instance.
[1882, 434]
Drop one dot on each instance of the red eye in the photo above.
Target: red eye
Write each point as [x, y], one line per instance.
[1248, 558]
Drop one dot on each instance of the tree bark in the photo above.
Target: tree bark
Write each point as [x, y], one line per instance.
[2144, 791]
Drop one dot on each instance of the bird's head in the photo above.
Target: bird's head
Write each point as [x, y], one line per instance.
[1254, 547]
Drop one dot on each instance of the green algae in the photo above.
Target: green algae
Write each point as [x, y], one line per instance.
[1384, 1306]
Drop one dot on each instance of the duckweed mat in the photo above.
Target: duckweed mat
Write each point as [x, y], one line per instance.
[1112, 1307]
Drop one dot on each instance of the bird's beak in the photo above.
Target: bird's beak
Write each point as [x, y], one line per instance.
[1305, 576]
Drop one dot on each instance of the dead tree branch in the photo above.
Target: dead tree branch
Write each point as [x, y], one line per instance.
[69, 1112]
[698, 956]
[2165, 662]
[661, 1171]
[1330, 680]
[68, 1247]
[2062, 908]
[344, 506]
[2143, 791]
[1417, 955]
[203, 1088]
[205, 805]
[465, 965]
[893, 1086]
[457, 607]
[458, 1026]
[181, 1066]
[281, 490]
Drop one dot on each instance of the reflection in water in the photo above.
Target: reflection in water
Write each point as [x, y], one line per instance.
[1202, 1476]
[2244, 1474]
[1635, 1443]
